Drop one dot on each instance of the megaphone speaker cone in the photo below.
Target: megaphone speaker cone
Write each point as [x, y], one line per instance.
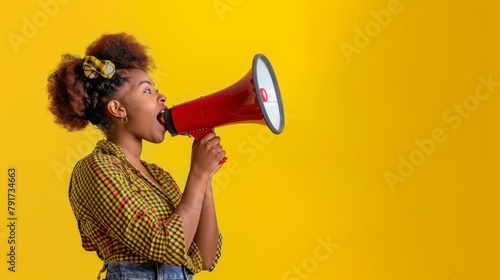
[268, 93]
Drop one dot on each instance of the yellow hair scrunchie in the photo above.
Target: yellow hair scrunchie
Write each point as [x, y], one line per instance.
[93, 66]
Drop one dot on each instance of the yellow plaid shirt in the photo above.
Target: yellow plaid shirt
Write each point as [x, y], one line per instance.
[124, 216]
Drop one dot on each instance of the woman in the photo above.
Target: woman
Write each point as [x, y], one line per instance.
[129, 211]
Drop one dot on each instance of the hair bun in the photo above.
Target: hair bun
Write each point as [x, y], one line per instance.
[76, 99]
[66, 94]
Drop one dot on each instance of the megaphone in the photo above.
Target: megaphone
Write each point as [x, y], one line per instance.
[255, 98]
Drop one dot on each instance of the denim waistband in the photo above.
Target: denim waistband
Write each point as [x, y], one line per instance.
[152, 270]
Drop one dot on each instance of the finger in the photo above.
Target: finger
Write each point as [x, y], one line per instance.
[217, 149]
[222, 154]
[214, 141]
[207, 137]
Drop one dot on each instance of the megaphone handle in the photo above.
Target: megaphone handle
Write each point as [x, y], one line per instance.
[199, 134]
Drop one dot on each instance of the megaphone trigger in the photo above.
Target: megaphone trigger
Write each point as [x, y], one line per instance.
[199, 133]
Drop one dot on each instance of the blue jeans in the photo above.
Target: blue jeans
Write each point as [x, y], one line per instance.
[149, 271]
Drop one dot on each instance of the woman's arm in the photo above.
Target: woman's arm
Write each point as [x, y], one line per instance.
[190, 207]
[204, 163]
[207, 235]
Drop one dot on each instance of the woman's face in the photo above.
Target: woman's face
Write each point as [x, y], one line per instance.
[143, 103]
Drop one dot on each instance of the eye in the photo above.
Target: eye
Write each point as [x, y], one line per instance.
[148, 91]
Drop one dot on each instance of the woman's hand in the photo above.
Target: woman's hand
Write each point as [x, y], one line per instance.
[206, 155]
[205, 158]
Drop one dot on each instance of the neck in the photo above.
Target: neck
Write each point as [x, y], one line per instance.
[132, 147]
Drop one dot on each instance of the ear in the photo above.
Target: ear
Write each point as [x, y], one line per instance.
[116, 109]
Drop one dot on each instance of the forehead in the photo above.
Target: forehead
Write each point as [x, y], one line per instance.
[134, 76]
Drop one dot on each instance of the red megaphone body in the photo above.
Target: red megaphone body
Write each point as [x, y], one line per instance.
[255, 98]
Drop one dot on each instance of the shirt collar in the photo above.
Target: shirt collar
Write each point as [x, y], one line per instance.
[110, 148]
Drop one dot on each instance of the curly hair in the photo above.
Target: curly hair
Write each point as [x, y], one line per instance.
[76, 100]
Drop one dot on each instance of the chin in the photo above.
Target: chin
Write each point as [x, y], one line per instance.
[157, 141]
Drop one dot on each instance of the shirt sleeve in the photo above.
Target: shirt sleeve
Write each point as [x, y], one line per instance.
[124, 213]
[176, 195]
[218, 253]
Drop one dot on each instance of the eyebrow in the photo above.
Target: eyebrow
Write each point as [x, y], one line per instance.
[145, 82]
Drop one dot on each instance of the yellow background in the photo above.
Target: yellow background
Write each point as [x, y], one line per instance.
[351, 120]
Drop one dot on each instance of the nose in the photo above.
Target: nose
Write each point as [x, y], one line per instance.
[163, 98]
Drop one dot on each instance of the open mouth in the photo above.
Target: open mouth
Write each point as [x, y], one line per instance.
[161, 117]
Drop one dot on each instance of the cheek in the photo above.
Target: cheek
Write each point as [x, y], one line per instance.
[143, 113]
